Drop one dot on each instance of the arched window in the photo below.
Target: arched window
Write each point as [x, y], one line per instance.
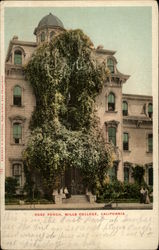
[112, 135]
[52, 33]
[17, 96]
[110, 65]
[126, 174]
[125, 141]
[150, 143]
[42, 36]
[18, 57]
[111, 102]
[17, 173]
[150, 110]
[17, 132]
[125, 108]
[112, 172]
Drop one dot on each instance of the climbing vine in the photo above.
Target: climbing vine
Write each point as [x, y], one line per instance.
[66, 78]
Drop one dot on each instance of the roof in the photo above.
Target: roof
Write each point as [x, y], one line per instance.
[17, 42]
[49, 21]
[136, 97]
[105, 51]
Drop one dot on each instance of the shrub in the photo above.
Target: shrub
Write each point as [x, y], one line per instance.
[10, 186]
[118, 190]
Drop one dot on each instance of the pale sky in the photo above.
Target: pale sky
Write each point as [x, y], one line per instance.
[127, 30]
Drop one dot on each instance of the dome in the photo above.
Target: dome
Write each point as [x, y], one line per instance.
[49, 21]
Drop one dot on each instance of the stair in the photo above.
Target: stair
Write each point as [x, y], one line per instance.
[76, 199]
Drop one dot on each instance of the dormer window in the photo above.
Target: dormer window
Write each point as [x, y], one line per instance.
[150, 110]
[42, 36]
[110, 65]
[18, 57]
[17, 96]
[111, 102]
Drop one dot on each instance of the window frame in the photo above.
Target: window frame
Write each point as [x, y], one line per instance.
[112, 172]
[150, 113]
[111, 104]
[126, 143]
[18, 60]
[18, 176]
[17, 98]
[21, 121]
[42, 36]
[110, 65]
[125, 111]
[126, 180]
[150, 142]
[17, 137]
[112, 138]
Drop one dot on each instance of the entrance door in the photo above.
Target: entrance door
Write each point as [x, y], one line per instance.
[73, 181]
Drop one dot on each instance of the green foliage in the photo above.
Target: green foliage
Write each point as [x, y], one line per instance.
[138, 175]
[118, 190]
[66, 78]
[10, 186]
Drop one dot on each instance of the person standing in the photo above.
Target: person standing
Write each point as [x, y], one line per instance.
[66, 192]
[142, 193]
[147, 199]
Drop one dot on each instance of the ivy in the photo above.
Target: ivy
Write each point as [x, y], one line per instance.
[66, 79]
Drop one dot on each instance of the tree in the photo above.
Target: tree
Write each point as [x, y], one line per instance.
[138, 174]
[66, 78]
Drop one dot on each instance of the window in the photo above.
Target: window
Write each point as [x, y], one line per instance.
[113, 173]
[42, 37]
[17, 96]
[150, 176]
[110, 65]
[17, 132]
[150, 143]
[18, 57]
[125, 141]
[111, 102]
[125, 108]
[150, 110]
[17, 173]
[112, 135]
[126, 174]
[52, 34]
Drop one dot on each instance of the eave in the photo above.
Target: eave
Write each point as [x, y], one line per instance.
[21, 43]
[105, 51]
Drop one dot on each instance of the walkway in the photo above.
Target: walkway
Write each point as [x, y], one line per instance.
[80, 206]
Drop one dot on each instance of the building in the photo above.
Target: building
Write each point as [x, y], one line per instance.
[126, 119]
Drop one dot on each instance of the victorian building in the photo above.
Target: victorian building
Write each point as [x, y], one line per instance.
[126, 119]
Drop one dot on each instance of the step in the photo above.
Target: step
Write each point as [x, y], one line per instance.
[76, 199]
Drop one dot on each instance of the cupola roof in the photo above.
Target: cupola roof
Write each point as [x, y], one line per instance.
[49, 21]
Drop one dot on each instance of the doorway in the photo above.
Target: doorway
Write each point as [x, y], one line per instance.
[74, 182]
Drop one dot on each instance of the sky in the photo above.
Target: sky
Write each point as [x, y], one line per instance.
[126, 30]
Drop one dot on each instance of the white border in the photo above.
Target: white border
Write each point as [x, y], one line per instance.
[133, 242]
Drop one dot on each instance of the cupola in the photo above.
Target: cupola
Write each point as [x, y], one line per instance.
[48, 26]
